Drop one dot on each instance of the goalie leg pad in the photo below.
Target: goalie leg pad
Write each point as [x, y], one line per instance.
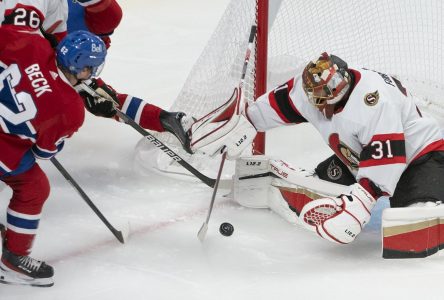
[251, 182]
[305, 179]
[261, 182]
[413, 232]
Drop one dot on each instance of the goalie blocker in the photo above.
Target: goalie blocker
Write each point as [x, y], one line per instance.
[226, 129]
[300, 197]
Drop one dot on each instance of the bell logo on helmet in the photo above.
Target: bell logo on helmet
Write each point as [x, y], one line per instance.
[96, 48]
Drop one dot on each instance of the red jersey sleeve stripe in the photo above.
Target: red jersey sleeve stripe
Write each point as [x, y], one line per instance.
[273, 104]
[388, 136]
[383, 161]
[280, 101]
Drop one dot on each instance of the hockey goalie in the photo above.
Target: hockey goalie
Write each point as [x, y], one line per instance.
[383, 145]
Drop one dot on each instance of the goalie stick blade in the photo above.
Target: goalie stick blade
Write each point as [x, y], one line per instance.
[202, 231]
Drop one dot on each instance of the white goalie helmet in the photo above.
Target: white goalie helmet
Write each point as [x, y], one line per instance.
[325, 80]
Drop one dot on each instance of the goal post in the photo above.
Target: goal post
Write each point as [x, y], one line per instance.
[262, 10]
[403, 38]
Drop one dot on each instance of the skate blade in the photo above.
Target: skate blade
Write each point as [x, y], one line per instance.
[14, 278]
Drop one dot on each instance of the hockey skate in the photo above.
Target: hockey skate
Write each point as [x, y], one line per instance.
[24, 270]
[176, 123]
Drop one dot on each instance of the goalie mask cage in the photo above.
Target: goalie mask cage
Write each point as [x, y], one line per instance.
[403, 38]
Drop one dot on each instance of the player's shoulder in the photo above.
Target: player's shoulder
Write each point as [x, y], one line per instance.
[63, 101]
[370, 89]
[41, 7]
[68, 100]
[28, 44]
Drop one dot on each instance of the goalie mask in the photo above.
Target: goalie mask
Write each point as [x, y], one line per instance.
[325, 80]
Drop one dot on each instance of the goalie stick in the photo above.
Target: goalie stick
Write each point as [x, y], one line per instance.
[204, 228]
[238, 101]
[118, 234]
[156, 142]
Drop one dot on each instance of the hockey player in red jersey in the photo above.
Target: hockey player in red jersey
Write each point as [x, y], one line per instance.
[101, 17]
[374, 127]
[39, 109]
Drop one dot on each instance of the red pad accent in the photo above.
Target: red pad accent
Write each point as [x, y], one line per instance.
[231, 109]
[295, 200]
[414, 243]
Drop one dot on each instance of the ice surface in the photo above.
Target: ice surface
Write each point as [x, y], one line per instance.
[266, 258]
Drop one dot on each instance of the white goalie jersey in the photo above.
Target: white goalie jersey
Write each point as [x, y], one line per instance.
[377, 133]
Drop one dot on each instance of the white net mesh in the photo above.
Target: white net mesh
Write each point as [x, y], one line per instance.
[399, 37]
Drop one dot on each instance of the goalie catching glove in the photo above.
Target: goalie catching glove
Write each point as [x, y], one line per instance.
[339, 219]
[103, 102]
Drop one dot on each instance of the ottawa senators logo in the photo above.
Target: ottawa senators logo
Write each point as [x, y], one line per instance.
[348, 156]
[334, 172]
[351, 156]
[371, 99]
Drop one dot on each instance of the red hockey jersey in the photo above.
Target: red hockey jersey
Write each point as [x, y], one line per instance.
[100, 16]
[38, 106]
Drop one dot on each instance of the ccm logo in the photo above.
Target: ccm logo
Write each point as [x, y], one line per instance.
[241, 140]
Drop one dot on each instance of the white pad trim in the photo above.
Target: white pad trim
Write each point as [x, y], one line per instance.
[414, 213]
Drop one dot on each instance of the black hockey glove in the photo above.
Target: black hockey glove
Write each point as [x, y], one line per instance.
[103, 103]
[334, 170]
[173, 123]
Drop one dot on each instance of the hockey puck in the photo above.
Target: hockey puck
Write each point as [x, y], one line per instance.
[226, 229]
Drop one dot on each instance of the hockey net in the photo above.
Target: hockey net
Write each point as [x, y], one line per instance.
[403, 38]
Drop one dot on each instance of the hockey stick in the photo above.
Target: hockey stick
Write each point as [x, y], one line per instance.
[68, 177]
[225, 112]
[156, 142]
[238, 104]
[174, 156]
[204, 228]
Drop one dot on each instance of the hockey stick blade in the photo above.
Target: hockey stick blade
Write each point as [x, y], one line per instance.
[70, 179]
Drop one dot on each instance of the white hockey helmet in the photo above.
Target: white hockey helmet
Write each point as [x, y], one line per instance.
[325, 80]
